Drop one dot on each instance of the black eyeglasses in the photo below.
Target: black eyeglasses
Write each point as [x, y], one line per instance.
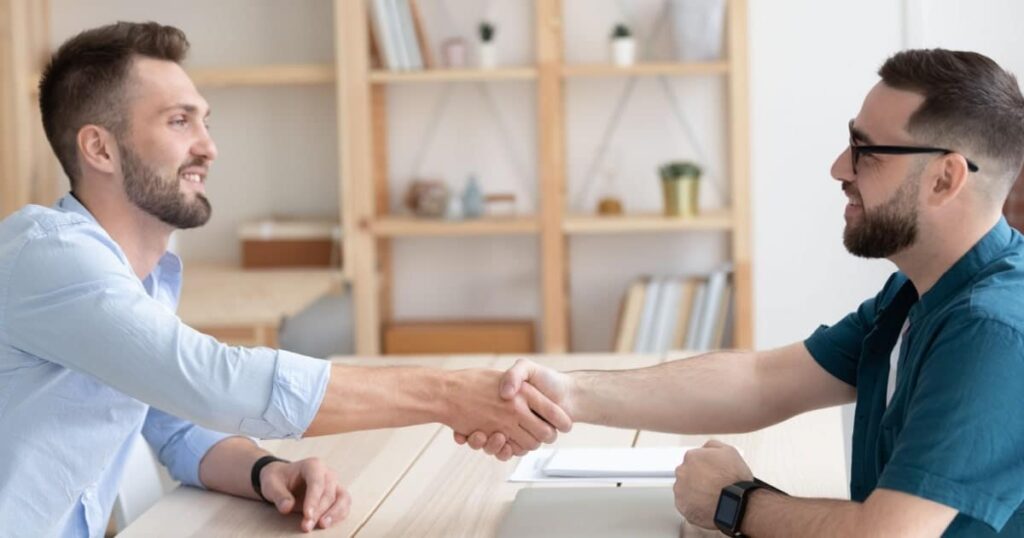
[857, 150]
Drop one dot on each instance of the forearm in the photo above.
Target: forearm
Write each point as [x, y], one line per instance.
[712, 393]
[770, 514]
[227, 465]
[361, 398]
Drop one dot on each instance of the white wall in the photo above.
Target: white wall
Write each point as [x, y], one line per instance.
[811, 63]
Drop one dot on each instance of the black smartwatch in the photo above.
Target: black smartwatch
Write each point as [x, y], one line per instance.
[732, 503]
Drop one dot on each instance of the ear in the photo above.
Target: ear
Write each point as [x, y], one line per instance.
[97, 149]
[947, 177]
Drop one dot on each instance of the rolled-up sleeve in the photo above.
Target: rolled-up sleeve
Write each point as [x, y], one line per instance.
[179, 444]
[74, 302]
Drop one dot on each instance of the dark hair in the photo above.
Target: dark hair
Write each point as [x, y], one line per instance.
[970, 105]
[86, 81]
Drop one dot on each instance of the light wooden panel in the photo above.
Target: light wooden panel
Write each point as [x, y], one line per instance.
[412, 226]
[271, 75]
[646, 70]
[355, 149]
[453, 75]
[551, 152]
[584, 224]
[739, 159]
[382, 194]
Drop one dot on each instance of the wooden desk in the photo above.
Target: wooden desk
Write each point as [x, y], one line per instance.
[245, 306]
[417, 482]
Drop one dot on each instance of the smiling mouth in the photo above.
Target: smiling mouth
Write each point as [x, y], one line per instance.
[192, 178]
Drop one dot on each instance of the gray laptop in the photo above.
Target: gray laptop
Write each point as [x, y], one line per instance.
[599, 512]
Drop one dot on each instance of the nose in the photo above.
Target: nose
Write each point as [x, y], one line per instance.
[842, 167]
[204, 146]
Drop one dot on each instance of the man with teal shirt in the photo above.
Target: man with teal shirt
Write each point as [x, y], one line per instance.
[935, 361]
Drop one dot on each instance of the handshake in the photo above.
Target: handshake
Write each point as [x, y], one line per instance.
[509, 414]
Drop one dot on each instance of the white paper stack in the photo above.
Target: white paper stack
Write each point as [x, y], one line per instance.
[648, 465]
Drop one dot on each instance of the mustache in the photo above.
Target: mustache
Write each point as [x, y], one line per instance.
[198, 161]
[849, 190]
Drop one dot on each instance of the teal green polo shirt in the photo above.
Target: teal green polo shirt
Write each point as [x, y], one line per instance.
[954, 429]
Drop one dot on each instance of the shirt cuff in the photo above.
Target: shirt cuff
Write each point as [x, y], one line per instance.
[821, 348]
[198, 441]
[296, 393]
[967, 500]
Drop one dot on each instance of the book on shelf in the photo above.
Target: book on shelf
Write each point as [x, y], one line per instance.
[381, 32]
[421, 35]
[659, 314]
[629, 317]
[398, 34]
[646, 326]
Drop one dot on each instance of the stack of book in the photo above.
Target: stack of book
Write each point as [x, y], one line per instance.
[398, 35]
[666, 313]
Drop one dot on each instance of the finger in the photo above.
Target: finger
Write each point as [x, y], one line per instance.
[495, 444]
[327, 501]
[518, 450]
[505, 453]
[514, 378]
[275, 489]
[477, 440]
[546, 409]
[712, 443]
[524, 438]
[459, 438]
[540, 430]
[311, 504]
[339, 510]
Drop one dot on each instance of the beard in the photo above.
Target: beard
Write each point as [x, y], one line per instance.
[888, 228]
[159, 196]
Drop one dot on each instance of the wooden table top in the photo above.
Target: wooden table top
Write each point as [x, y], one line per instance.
[416, 481]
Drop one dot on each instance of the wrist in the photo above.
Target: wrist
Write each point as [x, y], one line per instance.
[259, 467]
[578, 403]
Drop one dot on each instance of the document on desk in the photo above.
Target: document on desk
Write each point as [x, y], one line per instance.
[648, 465]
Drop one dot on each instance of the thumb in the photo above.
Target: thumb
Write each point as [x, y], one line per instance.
[513, 379]
[276, 491]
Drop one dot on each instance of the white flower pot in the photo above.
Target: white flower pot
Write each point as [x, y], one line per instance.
[488, 52]
[623, 51]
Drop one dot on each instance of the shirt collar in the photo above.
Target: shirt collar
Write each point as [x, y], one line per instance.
[987, 249]
[168, 268]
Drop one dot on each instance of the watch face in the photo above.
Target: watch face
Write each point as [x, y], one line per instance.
[725, 514]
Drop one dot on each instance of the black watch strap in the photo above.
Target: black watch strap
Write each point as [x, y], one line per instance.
[257, 468]
[732, 505]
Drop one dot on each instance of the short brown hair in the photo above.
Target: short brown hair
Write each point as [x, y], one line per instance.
[86, 81]
[971, 104]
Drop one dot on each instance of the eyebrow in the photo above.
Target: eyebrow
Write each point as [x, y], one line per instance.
[191, 109]
[858, 135]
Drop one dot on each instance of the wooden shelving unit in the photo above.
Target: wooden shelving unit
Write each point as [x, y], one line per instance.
[362, 112]
[363, 148]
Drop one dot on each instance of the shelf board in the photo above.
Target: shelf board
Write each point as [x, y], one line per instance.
[270, 75]
[397, 226]
[453, 75]
[645, 69]
[593, 224]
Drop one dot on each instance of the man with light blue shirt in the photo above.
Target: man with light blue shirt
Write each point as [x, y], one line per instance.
[91, 352]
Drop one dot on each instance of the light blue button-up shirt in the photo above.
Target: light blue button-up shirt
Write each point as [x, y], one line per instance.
[86, 348]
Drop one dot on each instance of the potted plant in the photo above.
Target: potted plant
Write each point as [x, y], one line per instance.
[623, 46]
[680, 182]
[488, 49]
